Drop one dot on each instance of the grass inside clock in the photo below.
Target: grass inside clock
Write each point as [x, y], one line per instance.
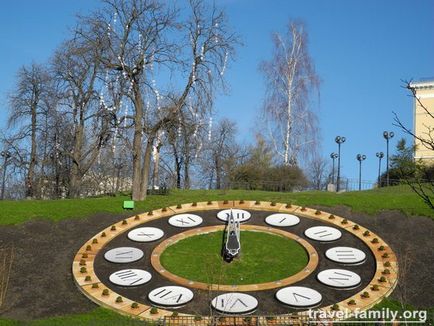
[264, 258]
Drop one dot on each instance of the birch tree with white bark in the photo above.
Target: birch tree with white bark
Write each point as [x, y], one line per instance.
[291, 81]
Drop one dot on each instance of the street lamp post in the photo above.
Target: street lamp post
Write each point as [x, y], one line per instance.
[360, 158]
[6, 155]
[333, 156]
[380, 155]
[387, 135]
[339, 140]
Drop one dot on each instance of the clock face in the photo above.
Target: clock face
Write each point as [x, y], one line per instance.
[343, 261]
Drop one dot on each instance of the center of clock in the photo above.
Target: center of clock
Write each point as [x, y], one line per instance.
[270, 258]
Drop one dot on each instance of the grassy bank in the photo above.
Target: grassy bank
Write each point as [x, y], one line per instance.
[371, 201]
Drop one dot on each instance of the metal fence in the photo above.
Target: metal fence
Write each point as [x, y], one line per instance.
[296, 319]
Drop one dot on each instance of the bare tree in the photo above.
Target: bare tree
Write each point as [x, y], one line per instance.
[25, 113]
[290, 79]
[134, 36]
[317, 172]
[422, 187]
[76, 69]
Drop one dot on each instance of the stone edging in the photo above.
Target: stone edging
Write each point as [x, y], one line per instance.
[89, 284]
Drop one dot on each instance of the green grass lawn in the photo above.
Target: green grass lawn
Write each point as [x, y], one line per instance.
[371, 201]
[264, 258]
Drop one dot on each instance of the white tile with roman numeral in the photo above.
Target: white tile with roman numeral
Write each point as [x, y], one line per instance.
[130, 277]
[346, 255]
[339, 278]
[323, 233]
[282, 220]
[234, 303]
[123, 255]
[240, 215]
[170, 296]
[299, 296]
[185, 220]
[145, 234]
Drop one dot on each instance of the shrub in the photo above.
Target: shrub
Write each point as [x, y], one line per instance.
[175, 314]
[381, 248]
[335, 307]
[331, 217]
[105, 292]
[197, 318]
[375, 240]
[82, 262]
[209, 202]
[103, 235]
[137, 217]
[356, 227]
[84, 255]
[382, 279]
[273, 203]
[385, 255]
[241, 201]
[352, 302]
[178, 206]
[164, 209]
[154, 311]
[288, 205]
[225, 202]
[366, 233]
[88, 248]
[124, 222]
[113, 228]
[318, 212]
[83, 270]
[150, 213]
[134, 305]
[194, 204]
[303, 209]
[87, 278]
[375, 287]
[95, 286]
[119, 299]
[344, 221]
[94, 241]
[365, 294]
[387, 264]
[386, 271]
[257, 202]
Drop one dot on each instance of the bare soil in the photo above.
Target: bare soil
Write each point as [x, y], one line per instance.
[41, 283]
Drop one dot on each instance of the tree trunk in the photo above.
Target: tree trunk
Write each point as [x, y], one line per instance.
[137, 145]
[31, 172]
[146, 168]
[217, 173]
[186, 173]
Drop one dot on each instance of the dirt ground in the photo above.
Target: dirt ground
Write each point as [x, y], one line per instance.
[41, 283]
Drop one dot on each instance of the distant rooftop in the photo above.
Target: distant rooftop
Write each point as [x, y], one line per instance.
[423, 83]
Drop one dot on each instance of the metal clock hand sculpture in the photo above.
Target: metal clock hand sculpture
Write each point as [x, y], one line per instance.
[120, 268]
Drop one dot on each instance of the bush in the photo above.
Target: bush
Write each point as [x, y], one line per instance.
[134, 305]
[366, 233]
[154, 311]
[335, 307]
[119, 299]
[365, 294]
[356, 227]
[352, 302]
[331, 217]
[105, 292]
[124, 222]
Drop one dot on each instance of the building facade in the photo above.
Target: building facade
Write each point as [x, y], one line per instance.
[423, 121]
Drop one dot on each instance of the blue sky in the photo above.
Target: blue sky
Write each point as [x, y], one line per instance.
[361, 49]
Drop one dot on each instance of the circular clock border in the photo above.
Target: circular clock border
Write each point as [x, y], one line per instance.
[92, 287]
